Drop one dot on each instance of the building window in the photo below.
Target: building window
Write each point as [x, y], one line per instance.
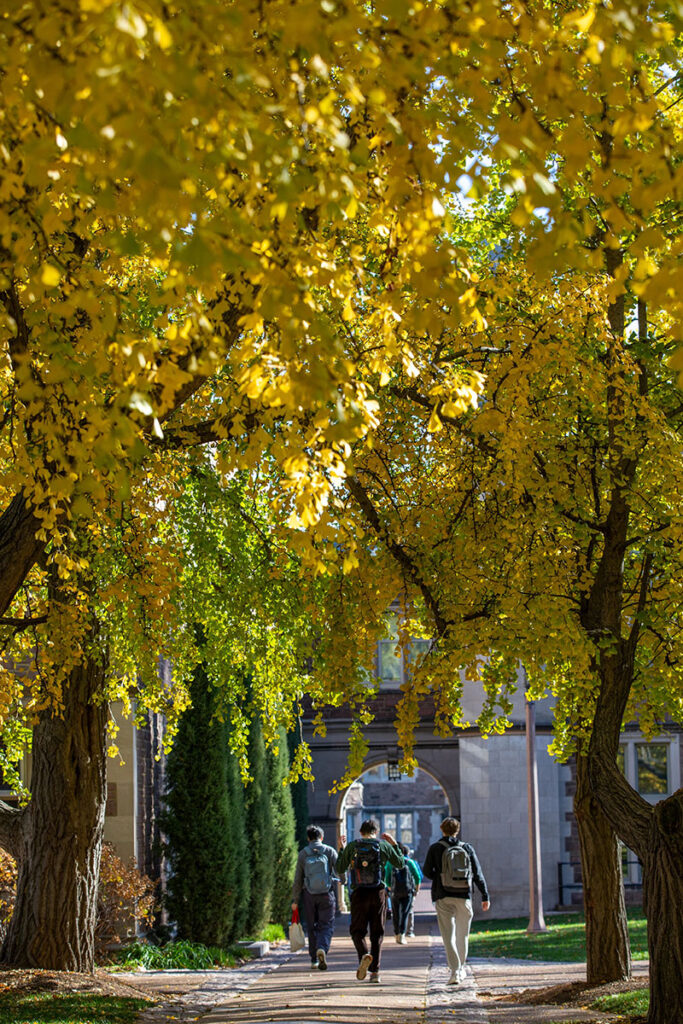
[393, 663]
[653, 768]
[405, 829]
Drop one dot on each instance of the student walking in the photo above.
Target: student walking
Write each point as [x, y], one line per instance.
[366, 859]
[402, 883]
[452, 867]
[315, 877]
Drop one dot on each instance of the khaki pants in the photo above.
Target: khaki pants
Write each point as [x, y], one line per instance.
[454, 915]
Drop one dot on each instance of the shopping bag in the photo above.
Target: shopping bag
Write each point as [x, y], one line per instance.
[297, 939]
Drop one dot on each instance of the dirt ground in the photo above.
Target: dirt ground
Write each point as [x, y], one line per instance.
[100, 983]
[575, 995]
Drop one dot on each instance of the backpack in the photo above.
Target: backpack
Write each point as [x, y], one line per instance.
[402, 883]
[316, 870]
[366, 867]
[456, 868]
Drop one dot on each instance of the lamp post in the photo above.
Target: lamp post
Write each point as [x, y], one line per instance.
[536, 921]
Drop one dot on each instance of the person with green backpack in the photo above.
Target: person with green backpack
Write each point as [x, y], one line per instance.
[452, 867]
[366, 859]
[402, 884]
[314, 880]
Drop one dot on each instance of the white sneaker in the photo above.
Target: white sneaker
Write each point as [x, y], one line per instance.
[462, 974]
[454, 978]
[374, 978]
[403, 940]
[365, 962]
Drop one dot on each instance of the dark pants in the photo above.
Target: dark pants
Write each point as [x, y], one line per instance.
[400, 908]
[368, 912]
[319, 911]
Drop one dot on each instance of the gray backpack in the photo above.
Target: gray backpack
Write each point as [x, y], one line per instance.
[456, 868]
[317, 876]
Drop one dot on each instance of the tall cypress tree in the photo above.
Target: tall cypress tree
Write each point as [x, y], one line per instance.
[284, 843]
[203, 834]
[299, 793]
[259, 830]
[240, 877]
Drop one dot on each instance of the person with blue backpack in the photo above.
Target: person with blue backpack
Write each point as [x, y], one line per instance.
[314, 880]
[366, 859]
[452, 867]
[402, 884]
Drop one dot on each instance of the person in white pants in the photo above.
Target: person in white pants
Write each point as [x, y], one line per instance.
[452, 868]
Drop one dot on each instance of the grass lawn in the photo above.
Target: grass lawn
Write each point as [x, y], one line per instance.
[65, 1008]
[564, 940]
[637, 1002]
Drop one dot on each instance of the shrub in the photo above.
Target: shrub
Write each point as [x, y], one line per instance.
[124, 897]
[187, 955]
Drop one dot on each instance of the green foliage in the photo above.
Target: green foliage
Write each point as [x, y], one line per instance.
[284, 849]
[565, 939]
[259, 830]
[636, 1002]
[194, 956]
[76, 1008]
[199, 825]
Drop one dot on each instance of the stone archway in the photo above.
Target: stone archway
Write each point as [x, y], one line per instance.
[409, 807]
[438, 757]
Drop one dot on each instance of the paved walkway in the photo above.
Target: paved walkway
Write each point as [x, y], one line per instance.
[282, 989]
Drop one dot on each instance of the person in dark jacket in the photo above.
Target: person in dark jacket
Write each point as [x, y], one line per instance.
[314, 879]
[453, 902]
[366, 858]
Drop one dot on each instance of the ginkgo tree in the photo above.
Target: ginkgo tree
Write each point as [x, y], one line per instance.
[544, 528]
[224, 223]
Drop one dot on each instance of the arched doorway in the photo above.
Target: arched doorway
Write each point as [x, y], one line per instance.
[409, 807]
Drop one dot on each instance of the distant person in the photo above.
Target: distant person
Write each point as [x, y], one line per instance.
[402, 884]
[410, 924]
[452, 866]
[366, 860]
[315, 878]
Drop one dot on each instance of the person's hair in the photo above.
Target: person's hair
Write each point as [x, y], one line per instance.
[368, 826]
[313, 832]
[403, 848]
[450, 826]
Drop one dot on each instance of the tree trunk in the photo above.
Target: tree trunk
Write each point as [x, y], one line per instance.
[662, 900]
[655, 834]
[608, 952]
[19, 547]
[53, 924]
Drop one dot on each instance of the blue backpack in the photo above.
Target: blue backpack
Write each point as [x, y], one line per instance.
[317, 876]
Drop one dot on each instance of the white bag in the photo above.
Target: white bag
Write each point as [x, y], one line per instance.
[297, 939]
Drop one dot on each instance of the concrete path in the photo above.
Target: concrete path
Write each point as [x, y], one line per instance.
[282, 989]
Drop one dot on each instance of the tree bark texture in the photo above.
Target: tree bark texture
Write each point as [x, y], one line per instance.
[608, 951]
[663, 903]
[19, 548]
[655, 834]
[53, 924]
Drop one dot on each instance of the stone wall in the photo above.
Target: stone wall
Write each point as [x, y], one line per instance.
[494, 815]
